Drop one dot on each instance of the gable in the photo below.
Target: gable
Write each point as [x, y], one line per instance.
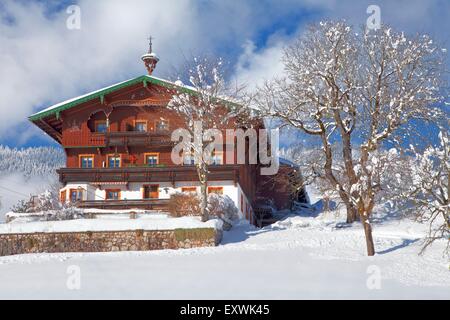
[49, 119]
[100, 94]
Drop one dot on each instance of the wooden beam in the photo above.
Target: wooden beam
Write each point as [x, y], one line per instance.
[53, 130]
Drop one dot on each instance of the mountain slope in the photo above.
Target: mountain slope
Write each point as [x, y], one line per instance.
[26, 171]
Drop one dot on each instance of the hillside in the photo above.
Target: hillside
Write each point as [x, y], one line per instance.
[31, 162]
[26, 171]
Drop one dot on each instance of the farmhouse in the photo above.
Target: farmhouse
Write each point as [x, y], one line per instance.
[118, 146]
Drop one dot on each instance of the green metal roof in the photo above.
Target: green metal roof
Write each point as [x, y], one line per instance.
[99, 94]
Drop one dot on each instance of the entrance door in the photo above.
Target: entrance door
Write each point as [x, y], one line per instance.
[151, 191]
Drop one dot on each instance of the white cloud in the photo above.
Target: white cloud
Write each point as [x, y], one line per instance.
[254, 67]
[42, 62]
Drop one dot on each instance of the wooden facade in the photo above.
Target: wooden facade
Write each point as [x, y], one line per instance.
[121, 136]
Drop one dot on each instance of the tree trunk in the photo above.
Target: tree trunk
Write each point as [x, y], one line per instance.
[202, 172]
[368, 233]
[352, 214]
[204, 202]
[326, 204]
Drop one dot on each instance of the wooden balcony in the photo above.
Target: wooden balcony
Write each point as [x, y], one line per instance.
[84, 140]
[138, 139]
[146, 174]
[118, 139]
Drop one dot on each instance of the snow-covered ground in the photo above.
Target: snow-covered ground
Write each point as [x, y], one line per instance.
[297, 258]
[110, 223]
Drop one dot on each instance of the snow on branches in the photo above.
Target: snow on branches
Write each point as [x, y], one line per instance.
[354, 92]
[431, 187]
[210, 109]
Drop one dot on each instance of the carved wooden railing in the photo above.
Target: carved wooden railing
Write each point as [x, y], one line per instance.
[117, 139]
[147, 174]
[134, 138]
[84, 139]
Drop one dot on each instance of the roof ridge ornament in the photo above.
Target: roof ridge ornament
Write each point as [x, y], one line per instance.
[150, 44]
[150, 59]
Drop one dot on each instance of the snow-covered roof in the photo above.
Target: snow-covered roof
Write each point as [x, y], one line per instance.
[67, 104]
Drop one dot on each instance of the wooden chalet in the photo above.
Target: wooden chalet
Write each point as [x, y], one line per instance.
[118, 146]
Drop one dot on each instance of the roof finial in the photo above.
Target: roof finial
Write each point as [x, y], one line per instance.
[150, 45]
[150, 59]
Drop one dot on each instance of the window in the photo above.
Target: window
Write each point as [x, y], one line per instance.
[100, 126]
[216, 190]
[217, 158]
[76, 195]
[62, 196]
[151, 159]
[112, 194]
[189, 189]
[114, 161]
[151, 192]
[188, 159]
[86, 161]
[140, 125]
[161, 125]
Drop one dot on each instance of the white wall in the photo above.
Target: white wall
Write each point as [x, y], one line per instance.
[135, 190]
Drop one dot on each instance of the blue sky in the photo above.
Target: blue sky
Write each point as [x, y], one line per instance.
[42, 62]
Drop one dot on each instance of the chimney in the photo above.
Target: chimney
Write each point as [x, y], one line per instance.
[150, 58]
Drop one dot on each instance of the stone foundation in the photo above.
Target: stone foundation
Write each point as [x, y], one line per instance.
[107, 241]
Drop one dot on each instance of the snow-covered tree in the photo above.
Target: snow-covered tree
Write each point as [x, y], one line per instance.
[430, 188]
[208, 109]
[31, 162]
[47, 206]
[44, 201]
[353, 92]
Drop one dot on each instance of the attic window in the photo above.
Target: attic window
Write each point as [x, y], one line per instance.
[100, 126]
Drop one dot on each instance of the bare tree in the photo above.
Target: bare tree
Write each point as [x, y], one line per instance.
[211, 105]
[430, 188]
[354, 91]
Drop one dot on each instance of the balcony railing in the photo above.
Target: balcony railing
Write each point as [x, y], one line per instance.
[138, 139]
[84, 140]
[150, 204]
[146, 174]
[118, 139]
